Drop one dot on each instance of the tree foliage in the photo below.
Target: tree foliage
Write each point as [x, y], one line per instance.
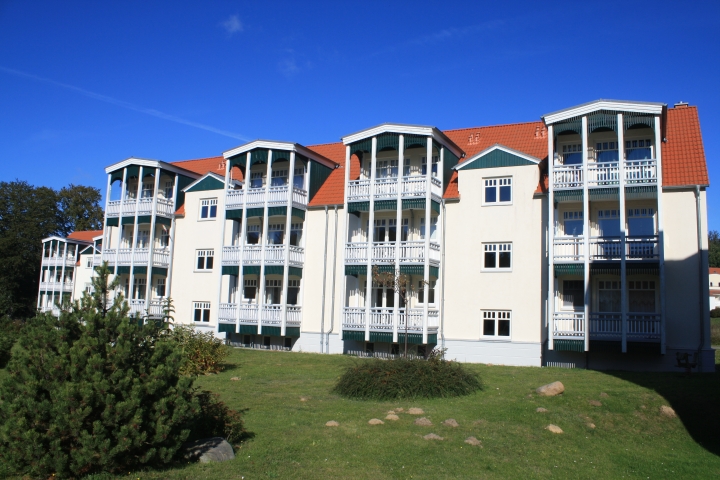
[714, 248]
[27, 215]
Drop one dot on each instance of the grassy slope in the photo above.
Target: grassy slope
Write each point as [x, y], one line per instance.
[292, 441]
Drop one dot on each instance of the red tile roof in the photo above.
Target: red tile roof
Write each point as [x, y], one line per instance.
[202, 166]
[85, 236]
[683, 155]
[714, 271]
[332, 191]
[180, 211]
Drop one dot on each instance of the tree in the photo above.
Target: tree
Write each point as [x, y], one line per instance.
[714, 248]
[79, 209]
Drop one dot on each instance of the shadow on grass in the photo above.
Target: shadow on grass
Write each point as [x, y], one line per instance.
[694, 398]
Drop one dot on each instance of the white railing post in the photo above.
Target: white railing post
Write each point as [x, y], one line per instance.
[288, 226]
[623, 233]
[550, 242]
[586, 228]
[131, 279]
[398, 235]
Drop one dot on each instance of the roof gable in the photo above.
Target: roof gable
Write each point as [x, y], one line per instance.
[497, 156]
[209, 181]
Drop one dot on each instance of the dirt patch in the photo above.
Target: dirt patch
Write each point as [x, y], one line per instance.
[392, 416]
[332, 423]
[450, 422]
[432, 436]
[541, 410]
[668, 411]
[595, 403]
[554, 428]
[473, 441]
[423, 422]
[415, 411]
[376, 421]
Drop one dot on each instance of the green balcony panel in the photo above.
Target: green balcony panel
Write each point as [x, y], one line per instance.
[569, 345]
[226, 327]
[353, 335]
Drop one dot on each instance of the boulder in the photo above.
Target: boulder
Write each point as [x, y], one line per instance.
[208, 450]
[415, 411]
[450, 422]
[668, 411]
[551, 389]
[392, 416]
[423, 422]
[473, 441]
[332, 423]
[432, 436]
[541, 410]
[376, 421]
[554, 428]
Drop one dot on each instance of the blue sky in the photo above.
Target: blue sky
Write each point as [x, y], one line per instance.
[86, 84]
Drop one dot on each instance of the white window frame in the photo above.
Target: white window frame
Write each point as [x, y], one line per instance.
[496, 316]
[168, 190]
[257, 176]
[209, 203]
[496, 183]
[204, 253]
[250, 283]
[433, 228]
[89, 261]
[161, 282]
[497, 248]
[204, 308]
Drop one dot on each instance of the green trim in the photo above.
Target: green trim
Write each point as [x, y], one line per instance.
[128, 220]
[413, 204]
[632, 119]
[88, 249]
[292, 331]
[277, 211]
[113, 222]
[140, 270]
[258, 155]
[279, 155]
[570, 125]
[163, 221]
[562, 269]
[318, 174]
[248, 329]
[385, 268]
[233, 214]
[644, 192]
[432, 338]
[415, 141]
[434, 206]
[132, 171]
[361, 146]
[602, 120]
[413, 338]
[644, 269]
[271, 331]
[569, 345]
[596, 194]
[295, 272]
[496, 158]
[434, 272]
[298, 212]
[160, 271]
[383, 337]
[355, 270]
[388, 141]
[116, 175]
[206, 184]
[356, 335]
[182, 182]
[123, 270]
[254, 212]
[568, 196]
[385, 205]
[240, 160]
[231, 270]
[251, 270]
[412, 269]
[605, 269]
[358, 207]
[226, 327]
[144, 219]
[274, 270]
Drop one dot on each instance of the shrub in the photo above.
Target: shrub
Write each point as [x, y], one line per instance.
[715, 312]
[203, 352]
[9, 333]
[217, 419]
[94, 391]
[377, 379]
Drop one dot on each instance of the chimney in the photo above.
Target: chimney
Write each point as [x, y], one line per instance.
[681, 104]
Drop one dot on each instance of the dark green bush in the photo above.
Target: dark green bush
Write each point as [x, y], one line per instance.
[203, 351]
[715, 312]
[217, 419]
[377, 379]
[9, 333]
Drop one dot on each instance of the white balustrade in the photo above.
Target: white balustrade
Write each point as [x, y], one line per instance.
[605, 248]
[59, 260]
[271, 314]
[567, 176]
[57, 286]
[141, 255]
[228, 312]
[294, 315]
[113, 209]
[640, 326]
[300, 196]
[358, 190]
[297, 255]
[234, 198]
[436, 186]
[161, 257]
[255, 196]
[569, 325]
[413, 317]
[383, 252]
[356, 252]
[157, 308]
[414, 186]
[252, 253]
[414, 251]
[275, 253]
[353, 318]
[277, 195]
[433, 319]
[138, 256]
[434, 252]
[639, 172]
[381, 318]
[603, 174]
[569, 249]
[248, 313]
[165, 207]
[644, 326]
[606, 325]
[386, 188]
[97, 260]
[137, 307]
[231, 255]
[642, 248]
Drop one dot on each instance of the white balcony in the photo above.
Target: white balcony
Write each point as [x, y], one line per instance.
[567, 177]
[143, 206]
[641, 172]
[137, 256]
[412, 186]
[640, 326]
[276, 196]
[271, 314]
[57, 286]
[252, 255]
[569, 249]
[384, 252]
[605, 174]
[59, 261]
[137, 307]
[642, 248]
[383, 319]
[570, 325]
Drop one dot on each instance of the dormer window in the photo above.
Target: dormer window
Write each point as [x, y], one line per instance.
[572, 154]
[638, 149]
[606, 151]
[279, 178]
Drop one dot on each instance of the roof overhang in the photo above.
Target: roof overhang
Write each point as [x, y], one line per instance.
[278, 145]
[400, 128]
[603, 104]
[144, 162]
[497, 146]
[63, 239]
[209, 174]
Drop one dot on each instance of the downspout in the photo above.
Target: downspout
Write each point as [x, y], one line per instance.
[701, 289]
[322, 302]
[442, 292]
[332, 301]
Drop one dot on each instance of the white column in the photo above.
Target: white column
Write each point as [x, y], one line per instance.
[123, 192]
[371, 234]
[62, 271]
[223, 219]
[440, 281]
[398, 232]
[347, 229]
[135, 232]
[263, 242]
[428, 223]
[288, 224]
[171, 245]
[551, 238]
[661, 231]
[42, 272]
[586, 231]
[106, 234]
[243, 233]
[623, 238]
[151, 250]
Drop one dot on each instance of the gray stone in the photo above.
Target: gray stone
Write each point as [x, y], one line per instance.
[208, 450]
[551, 389]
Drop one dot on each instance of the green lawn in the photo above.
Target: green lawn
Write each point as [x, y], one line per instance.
[631, 439]
[715, 331]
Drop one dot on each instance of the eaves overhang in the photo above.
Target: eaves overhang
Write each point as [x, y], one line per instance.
[280, 145]
[497, 146]
[68, 240]
[401, 128]
[654, 108]
[144, 162]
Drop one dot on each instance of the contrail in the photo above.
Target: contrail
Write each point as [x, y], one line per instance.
[123, 104]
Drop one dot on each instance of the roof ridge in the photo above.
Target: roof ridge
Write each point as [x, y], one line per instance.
[493, 126]
[196, 159]
[323, 144]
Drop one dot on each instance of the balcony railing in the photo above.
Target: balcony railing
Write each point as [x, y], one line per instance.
[569, 249]
[644, 326]
[640, 326]
[605, 325]
[271, 314]
[252, 254]
[138, 256]
[567, 177]
[642, 248]
[143, 206]
[276, 195]
[391, 187]
[639, 172]
[57, 286]
[569, 325]
[384, 252]
[603, 174]
[605, 248]
[137, 307]
[382, 319]
[59, 261]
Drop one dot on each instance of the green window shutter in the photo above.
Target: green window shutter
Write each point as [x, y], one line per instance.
[292, 331]
[295, 272]
[276, 211]
[226, 327]
[298, 212]
[254, 212]
[231, 270]
[353, 335]
[233, 214]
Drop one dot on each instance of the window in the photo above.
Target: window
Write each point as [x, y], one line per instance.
[433, 228]
[379, 231]
[202, 311]
[279, 178]
[143, 239]
[276, 233]
[431, 292]
[435, 161]
[168, 190]
[250, 290]
[160, 288]
[572, 154]
[253, 234]
[406, 167]
[609, 223]
[606, 151]
[573, 295]
[573, 223]
[299, 178]
[139, 285]
[205, 259]
[89, 261]
[498, 256]
[273, 291]
[386, 168]
[638, 149]
[147, 190]
[498, 191]
[496, 323]
[642, 296]
[256, 179]
[88, 288]
[608, 296]
[164, 237]
[208, 208]
[641, 222]
[296, 234]
[293, 292]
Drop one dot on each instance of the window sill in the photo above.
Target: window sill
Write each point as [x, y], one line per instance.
[497, 204]
[203, 271]
[207, 219]
[496, 270]
[496, 339]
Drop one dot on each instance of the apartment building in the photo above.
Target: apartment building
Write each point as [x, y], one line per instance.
[578, 240]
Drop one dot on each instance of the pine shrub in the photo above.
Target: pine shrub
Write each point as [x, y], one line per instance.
[203, 351]
[376, 379]
[9, 333]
